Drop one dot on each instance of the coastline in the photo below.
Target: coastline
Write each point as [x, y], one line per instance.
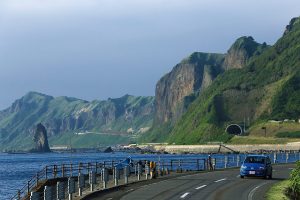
[215, 148]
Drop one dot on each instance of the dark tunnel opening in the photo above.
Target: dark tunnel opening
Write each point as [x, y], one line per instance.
[234, 129]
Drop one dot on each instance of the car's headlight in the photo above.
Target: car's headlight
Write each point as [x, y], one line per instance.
[261, 168]
[243, 167]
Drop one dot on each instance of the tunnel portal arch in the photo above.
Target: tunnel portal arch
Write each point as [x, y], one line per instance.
[234, 129]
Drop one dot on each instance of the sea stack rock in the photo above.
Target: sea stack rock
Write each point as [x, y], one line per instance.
[40, 139]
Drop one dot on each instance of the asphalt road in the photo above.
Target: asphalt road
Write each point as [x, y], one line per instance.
[218, 185]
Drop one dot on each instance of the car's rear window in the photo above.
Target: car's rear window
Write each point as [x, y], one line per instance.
[255, 159]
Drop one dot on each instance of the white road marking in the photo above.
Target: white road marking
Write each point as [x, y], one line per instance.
[250, 195]
[202, 186]
[291, 168]
[184, 195]
[223, 179]
[238, 176]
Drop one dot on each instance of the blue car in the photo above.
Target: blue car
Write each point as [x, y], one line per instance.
[257, 166]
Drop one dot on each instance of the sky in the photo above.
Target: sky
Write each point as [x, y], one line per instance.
[96, 49]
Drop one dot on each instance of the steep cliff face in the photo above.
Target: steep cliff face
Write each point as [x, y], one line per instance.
[69, 115]
[191, 75]
[177, 89]
[241, 51]
[267, 88]
[41, 139]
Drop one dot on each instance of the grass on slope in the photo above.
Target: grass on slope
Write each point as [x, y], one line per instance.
[277, 191]
[295, 134]
[89, 140]
[257, 140]
[157, 134]
[274, 128]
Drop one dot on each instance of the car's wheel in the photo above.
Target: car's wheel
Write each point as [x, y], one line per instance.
[270, 176]
[242, 176]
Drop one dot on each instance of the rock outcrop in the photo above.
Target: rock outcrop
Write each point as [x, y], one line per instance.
[294, 22]
[41, 140]
[175, 90]
[241, 51]
[108, 150]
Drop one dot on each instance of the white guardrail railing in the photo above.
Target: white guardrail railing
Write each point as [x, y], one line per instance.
[65, 181]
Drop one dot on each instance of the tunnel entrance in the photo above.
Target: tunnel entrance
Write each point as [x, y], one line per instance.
[234, 129]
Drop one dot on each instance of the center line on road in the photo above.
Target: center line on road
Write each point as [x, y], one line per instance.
[223, 179]
[250, 195]
[202, 186]
[184, 195]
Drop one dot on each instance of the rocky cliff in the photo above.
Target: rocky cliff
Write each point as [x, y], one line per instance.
[61, 115]
[191, 75]
[41, 139]
[241, 51]
[177, 89]
[267, 88]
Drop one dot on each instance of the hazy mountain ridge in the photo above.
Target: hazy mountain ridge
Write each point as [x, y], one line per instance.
[64, 114]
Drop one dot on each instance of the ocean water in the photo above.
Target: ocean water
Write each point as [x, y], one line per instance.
[17, 169]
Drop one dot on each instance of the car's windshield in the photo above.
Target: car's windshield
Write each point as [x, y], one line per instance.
[255, 159]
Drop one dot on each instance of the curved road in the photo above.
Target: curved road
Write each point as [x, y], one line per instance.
[217, 185]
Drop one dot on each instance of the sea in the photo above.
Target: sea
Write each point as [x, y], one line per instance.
[17, 169]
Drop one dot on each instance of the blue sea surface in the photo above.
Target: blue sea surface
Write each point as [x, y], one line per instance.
[17, 169]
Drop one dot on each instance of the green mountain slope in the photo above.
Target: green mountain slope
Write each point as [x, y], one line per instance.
[267, 88]
[65, 115]
[179, 88]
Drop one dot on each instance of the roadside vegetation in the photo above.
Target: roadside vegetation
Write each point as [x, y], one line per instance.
[294, 184]
[278, 191]
[288, 189]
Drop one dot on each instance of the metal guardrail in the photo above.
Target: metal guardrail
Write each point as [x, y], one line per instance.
[55, 180]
